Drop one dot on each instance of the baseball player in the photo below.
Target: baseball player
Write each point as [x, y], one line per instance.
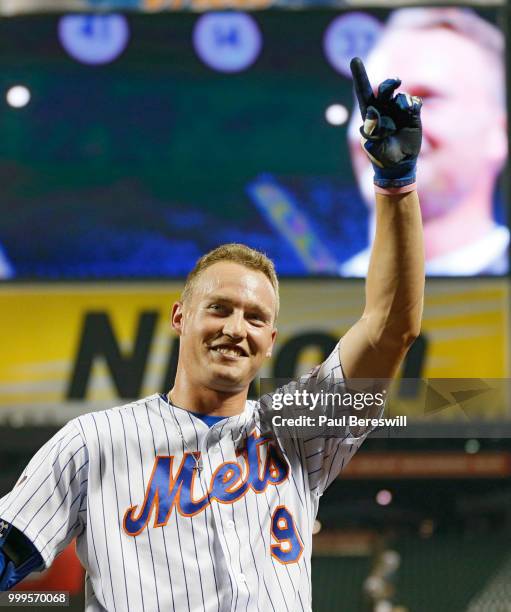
[189, 501]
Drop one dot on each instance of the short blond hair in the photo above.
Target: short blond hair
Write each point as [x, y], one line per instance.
[237, 253]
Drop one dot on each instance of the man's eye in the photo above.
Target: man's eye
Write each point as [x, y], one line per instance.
[218, 308]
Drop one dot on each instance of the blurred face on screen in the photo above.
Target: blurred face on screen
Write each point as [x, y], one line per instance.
[464, 126]
[226, 327]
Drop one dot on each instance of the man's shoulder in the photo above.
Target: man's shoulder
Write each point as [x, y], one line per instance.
[142, 403]
[326, 375]
[114, 419]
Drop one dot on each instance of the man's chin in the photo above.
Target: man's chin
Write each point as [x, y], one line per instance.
[222, 385]
[228, 380]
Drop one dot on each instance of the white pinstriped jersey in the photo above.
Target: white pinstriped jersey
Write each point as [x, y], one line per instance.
[153, 533]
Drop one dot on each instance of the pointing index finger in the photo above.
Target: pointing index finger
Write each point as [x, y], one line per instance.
[363, 88]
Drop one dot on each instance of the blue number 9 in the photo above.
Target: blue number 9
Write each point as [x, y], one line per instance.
[289, 548]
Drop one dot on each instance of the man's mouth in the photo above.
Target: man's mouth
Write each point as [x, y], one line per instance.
[230, 350]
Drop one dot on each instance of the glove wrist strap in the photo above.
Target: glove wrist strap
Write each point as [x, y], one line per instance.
[396, 190]
[401, 175]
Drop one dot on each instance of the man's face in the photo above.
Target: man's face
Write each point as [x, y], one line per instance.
[226, 327]
[464, 133]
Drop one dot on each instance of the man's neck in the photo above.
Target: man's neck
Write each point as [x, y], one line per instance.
[203, 400]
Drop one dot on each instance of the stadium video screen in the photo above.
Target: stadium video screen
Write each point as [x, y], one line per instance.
[131, 144]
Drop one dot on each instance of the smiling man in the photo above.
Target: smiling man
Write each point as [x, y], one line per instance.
[190, 501]
[226, 322]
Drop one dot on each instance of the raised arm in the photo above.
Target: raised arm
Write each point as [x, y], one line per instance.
[391, 135]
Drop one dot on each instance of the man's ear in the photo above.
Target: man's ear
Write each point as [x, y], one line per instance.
[176, 319]
[273, 337]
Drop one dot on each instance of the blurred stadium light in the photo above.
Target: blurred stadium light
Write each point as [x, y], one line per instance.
[18, 96]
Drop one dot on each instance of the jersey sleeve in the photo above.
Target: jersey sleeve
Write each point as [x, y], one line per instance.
[45, 502]
[322, 453]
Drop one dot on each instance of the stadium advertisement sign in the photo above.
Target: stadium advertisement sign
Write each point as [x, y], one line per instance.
[69, 349]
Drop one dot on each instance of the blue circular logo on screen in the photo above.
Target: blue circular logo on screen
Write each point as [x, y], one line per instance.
[227, 42]
[94, 39]
[348, 36]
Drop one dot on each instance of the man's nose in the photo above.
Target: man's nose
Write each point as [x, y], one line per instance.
[234, 325]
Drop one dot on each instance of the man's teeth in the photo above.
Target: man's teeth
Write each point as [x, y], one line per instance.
[228, 351]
